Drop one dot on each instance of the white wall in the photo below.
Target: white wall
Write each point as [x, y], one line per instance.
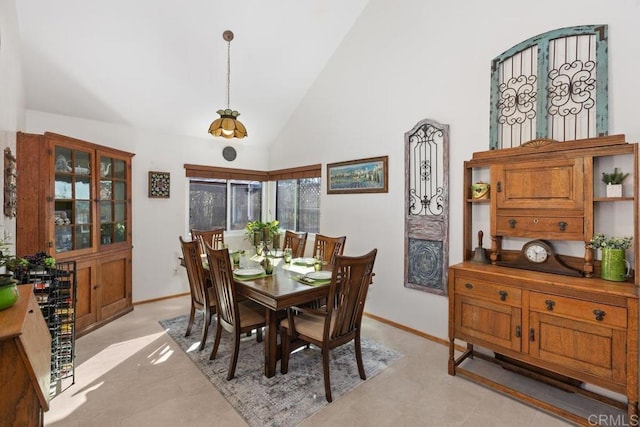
[413, 59]
[402, 62]
[157, 223]
[11, 96]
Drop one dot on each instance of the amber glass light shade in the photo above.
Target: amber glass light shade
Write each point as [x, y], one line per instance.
[228, 125]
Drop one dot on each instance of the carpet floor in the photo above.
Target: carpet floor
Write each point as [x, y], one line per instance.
[282, 400]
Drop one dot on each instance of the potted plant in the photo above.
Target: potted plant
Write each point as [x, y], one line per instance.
[613, 182]
[258, 231]
[614, 265]
[254, 232]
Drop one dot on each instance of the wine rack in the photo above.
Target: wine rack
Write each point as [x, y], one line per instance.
[55, 292]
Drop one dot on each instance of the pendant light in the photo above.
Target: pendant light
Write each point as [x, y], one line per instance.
[228, 125]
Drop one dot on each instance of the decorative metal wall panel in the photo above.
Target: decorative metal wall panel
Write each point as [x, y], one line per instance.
[427, 207]
[426, 171]
[554, 85]
[425, 264]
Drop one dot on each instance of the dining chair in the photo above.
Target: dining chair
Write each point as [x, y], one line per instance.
[327, 248]
[203, 297]
[331, 326]
[214, 237]
[296, 241]
[234, 316]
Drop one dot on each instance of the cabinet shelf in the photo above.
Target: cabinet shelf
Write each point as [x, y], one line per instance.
[613, 199]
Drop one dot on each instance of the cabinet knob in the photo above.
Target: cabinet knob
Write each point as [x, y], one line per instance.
[512, 223]
[599, 314]
[532, 334]
[562, 225]
[550, 304]
[468, 285]
[518, 331]
[503, 295]
[499, 187]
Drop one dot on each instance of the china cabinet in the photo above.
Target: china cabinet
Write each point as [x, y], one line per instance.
[74, 202]
[546, 314]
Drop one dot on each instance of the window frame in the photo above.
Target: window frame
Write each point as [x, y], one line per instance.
[268, 179]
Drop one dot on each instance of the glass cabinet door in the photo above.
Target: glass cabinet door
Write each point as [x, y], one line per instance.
[113, 200]
[72, 199]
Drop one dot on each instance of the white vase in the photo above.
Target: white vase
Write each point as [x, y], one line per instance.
[614, 190]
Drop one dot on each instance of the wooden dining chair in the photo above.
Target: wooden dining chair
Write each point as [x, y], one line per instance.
[296, 241]
[327, 248]
[235, 317]
[213, 237]
[203, 297]
[329, 327]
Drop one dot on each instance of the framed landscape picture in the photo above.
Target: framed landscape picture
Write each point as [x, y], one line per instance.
[358, 176]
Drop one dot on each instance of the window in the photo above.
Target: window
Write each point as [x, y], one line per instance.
[223, 203]
[298, 204]
[553, 85]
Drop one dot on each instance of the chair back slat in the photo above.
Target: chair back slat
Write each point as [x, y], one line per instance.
[222, 279]
[195, 270]
[213, 237]
[327, 248]
[296, 241]
[349, 287]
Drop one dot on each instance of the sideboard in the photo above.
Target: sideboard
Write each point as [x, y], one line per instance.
[567, 330]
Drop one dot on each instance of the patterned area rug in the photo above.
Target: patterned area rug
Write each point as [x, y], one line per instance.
[282, 400]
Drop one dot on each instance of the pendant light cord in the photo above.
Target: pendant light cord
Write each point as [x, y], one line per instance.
[228, 72]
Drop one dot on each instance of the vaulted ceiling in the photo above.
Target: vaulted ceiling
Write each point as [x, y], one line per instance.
[161, 64]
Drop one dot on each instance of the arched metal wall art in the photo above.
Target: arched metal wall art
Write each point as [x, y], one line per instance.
[427, 207]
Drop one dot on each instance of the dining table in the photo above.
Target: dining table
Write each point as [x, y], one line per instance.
[284, 288]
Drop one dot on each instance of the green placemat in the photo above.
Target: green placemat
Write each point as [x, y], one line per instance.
[312, 282]
[257, 276]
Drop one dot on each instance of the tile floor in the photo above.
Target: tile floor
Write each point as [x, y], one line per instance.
[129, 373]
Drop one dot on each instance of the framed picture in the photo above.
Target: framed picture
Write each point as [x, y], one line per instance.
[358, 176]
[159, 184]
[10, 181]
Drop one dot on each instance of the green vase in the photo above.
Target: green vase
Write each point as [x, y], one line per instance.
[614, 266]
[8, 295]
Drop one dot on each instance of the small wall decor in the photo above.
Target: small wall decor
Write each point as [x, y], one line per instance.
[159, 184]
[358, 176]
[10, 178]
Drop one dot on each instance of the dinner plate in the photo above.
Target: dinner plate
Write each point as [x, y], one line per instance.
[303, 261]
[319, 275]
[248, 272]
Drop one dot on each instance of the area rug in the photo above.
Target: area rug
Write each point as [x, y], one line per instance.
[283, 400]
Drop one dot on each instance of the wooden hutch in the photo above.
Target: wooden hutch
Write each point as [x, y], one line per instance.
[549, 321]
[74, 202]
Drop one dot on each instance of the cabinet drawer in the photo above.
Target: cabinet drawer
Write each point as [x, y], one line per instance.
[589, 311]
[491, 291]
[569, 228]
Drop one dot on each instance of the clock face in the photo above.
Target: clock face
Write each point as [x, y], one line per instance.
[536, 252]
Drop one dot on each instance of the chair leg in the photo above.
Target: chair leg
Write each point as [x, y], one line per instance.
[234, 356]
[259, 334]
[190, 323]
[359, 357]
[284, 340]
[325, 370]
[216, 342]
[205, 327]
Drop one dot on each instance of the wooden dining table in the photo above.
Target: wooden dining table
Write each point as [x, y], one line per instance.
[276, 293]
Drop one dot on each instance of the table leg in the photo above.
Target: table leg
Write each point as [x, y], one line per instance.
[270, 344]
